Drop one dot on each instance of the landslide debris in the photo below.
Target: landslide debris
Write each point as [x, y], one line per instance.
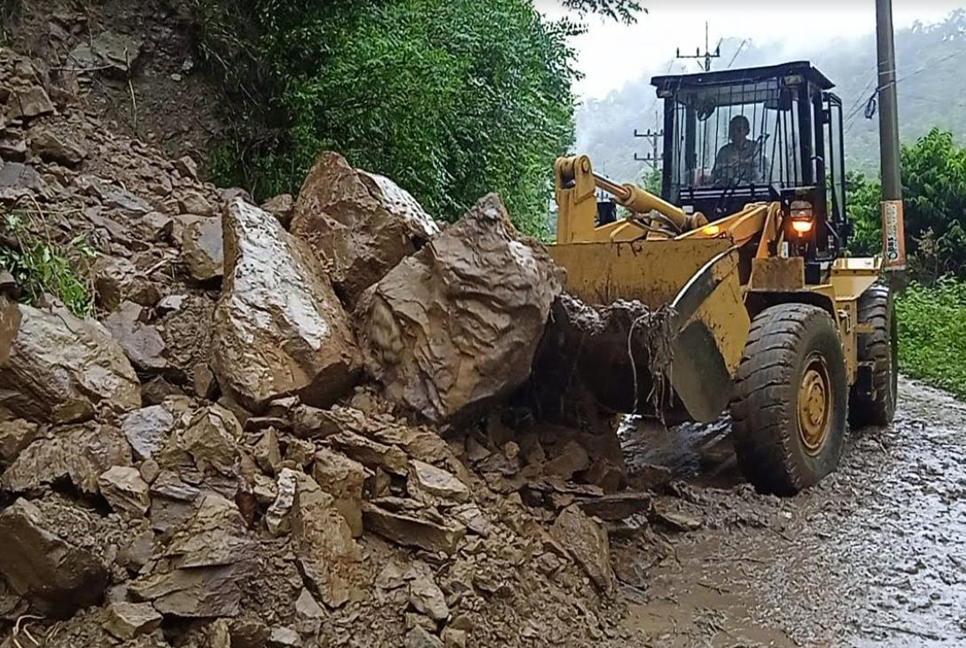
[202, 463]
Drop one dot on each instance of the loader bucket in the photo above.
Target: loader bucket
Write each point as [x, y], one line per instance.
[696, 283]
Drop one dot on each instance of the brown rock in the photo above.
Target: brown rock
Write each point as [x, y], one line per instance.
[129, 620]
[328, 557]
[55, 575]
[412, 531]
[212, 439]
[268, 342]
[426, 596]
[277, 516]
[343, 479]
[61, 368]
[616, 507]
[281, 207]
[9, 326]
[187, 167]
[192, 202]
[453, 638]
[116, 280]
[202, 249]
[28, 103]
[142, 343]
[458, 323]
[266, 452]
[420, 637]
[676, 520]
[15, 435]
[125, 491]
[79, 454]
[587, 542]
[572, 458]
[360, 225]
[203, 380]
[50, 147]
[438, 482]
[370, 453]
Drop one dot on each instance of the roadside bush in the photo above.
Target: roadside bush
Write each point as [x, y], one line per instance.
[932, 334]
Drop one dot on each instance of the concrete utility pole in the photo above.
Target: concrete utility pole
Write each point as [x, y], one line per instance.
[893, 230]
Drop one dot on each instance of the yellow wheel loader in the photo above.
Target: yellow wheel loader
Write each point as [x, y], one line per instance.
[745, 249]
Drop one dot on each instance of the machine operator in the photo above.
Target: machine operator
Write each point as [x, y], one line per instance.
[740, 160]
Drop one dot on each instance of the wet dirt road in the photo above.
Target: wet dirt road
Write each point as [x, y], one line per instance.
[873, 556]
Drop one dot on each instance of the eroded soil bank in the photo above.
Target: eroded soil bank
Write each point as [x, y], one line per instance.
[873, 556]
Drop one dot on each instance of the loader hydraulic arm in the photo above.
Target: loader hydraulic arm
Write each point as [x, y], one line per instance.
[575, 188]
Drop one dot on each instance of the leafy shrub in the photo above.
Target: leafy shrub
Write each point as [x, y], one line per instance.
[932, 333]
[41, 265]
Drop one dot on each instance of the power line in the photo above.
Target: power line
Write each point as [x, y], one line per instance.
[740, 47]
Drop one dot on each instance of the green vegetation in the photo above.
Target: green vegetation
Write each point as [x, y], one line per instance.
[932, 334]
[41, 265]
[450, 98]
[932, 309]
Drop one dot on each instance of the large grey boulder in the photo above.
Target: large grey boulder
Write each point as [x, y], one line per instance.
[360, 224]
[458, 323]
[279, 329]
[61, 369]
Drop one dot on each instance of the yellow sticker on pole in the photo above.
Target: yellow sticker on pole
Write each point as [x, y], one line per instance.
[893, 235]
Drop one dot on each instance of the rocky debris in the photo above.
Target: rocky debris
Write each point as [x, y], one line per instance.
[587, 542]
[359, 226]
[343, 479]
[412, 531]
[79, 454]
[125, 491]
[50, 147]
[202, 249]
[62, 368]
[116, 280]
[458, 323]
[142, 343]
[281, 207]
[148, 429]
[328, 557]
[57, 576]
[270, 342]
[15, 435]
[129, 620]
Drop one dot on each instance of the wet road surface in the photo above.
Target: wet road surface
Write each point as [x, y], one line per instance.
[875, 555]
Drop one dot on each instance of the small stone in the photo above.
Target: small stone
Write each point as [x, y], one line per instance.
[282, 208]
[150, 470]
[572, 459]
[202, 249]
[426, 597]
[129, 620]
[192, 202]
[50, 147]
[148, 429]
[283, 637]
[438, 482]
[187, 167]
[453, 638]
[511, 450]
[204, 382]
[266, 452]
[138, 552]
[371, 453]
[410, 531]
[343, 479]
[587, 542]
[300, 452]
[15, 435]
[125, 491]
[616, 507]
[277, 517]
[419, 637]
[212, 439]
[28, 103]
[307, 607]
[677, 521]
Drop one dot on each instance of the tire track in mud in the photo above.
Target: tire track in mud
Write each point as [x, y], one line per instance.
[875, 555]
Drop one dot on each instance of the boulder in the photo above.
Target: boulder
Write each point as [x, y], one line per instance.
[116, 279]
[426, 596]
[57, 576]
[370, 453]
[51, 147]
[458, 323]
[328, 557]
[279, 330]
[142, 343]
[148, 429]
[587, 542]
[61, 369]
[125, 491]
[212, 438]
[79, 454]
[437, 482]
[15, 435]
[412, 531]
[202, 249]
[360, 225]
[28, 103]
[211, 556]
[129, 620]
[19, 180]
[343, 479]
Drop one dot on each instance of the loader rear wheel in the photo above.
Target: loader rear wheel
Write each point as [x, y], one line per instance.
[790, 410]
[881, 347]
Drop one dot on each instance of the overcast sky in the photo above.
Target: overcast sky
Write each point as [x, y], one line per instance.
[611, 53]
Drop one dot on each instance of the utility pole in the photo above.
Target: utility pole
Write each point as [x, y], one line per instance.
[893, 229]
[652, 136]
[708, 55]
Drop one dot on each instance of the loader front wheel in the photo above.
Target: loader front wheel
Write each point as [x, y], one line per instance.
[791, 406]
[880, 347]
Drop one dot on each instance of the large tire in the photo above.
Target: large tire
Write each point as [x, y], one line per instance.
[881, 347]
[791, 405]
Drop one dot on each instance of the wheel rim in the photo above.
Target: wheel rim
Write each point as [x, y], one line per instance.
[814, 405]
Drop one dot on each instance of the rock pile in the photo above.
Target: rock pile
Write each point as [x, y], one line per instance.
[235, 451]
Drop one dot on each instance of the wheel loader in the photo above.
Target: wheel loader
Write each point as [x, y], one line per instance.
[772, 321]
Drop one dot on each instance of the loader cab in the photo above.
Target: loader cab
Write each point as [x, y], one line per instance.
[759, 134]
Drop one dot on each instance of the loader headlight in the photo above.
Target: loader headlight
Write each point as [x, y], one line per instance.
[802, 217]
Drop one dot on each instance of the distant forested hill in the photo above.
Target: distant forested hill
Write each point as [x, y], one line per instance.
[932, 92]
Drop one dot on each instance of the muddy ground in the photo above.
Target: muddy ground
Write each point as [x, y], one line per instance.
[873, 556]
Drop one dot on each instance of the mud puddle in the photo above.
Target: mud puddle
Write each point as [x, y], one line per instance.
[873, 556]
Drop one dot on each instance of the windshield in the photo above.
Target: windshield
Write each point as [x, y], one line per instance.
[736, 135]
